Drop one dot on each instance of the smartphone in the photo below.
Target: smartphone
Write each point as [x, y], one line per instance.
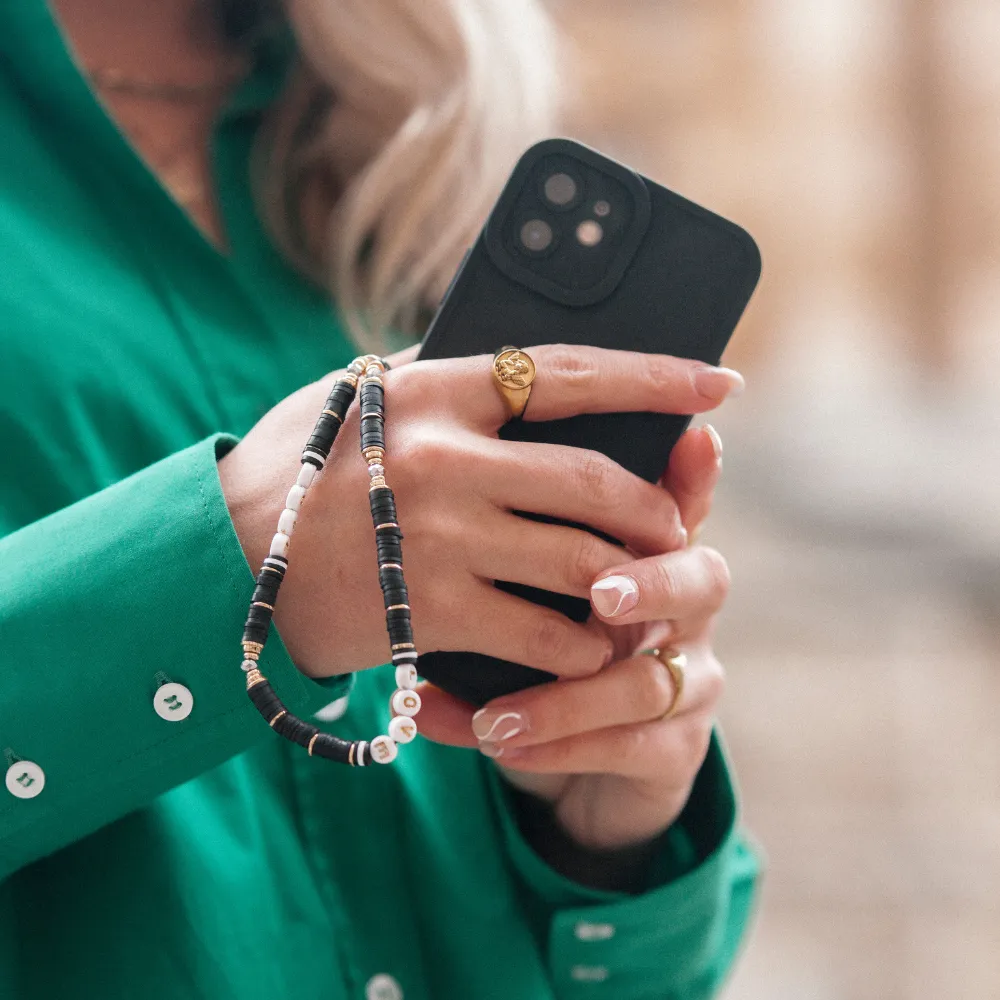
[580, 249]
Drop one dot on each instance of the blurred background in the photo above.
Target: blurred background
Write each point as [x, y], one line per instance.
[859, 142]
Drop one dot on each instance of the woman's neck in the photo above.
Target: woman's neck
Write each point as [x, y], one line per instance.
[171, 40]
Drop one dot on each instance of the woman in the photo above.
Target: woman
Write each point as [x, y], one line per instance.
[162, 365]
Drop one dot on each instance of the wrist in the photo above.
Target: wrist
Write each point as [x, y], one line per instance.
[619, 869]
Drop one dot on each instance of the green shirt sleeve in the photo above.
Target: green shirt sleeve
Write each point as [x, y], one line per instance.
[102, 601]
[677, 939]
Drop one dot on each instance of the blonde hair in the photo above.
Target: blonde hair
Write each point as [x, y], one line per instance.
[394, 138]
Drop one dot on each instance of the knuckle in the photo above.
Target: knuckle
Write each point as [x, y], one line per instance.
[422, 452]
[547, 642]
[595, 478]
[668, 584]
[693, 740]
[585, 561]
[717, 572]
[635, 746]
[572, 366]
[655, 688]
[715, 681]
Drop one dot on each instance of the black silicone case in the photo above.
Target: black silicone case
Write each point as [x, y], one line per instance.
[682, 293]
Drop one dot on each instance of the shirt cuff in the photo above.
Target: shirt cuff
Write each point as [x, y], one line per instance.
[680, 936]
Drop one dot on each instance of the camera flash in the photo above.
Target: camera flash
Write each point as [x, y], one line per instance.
[589, 233]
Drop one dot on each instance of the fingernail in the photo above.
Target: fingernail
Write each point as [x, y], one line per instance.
[495, 725]
[489, 750]
[682, 534]
[713, 436]
[718, 383]
[615, 595]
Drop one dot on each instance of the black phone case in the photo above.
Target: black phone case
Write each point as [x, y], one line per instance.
[682, 293]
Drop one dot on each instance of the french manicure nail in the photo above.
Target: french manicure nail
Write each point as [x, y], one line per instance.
[494, 726]
[615, 595]
[713, 436]
[718, 383]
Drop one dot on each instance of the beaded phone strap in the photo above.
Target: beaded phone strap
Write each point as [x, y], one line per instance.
[364, 373]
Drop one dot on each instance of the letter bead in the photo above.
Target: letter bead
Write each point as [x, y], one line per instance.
[403, 729]
[383, 749]
[406, 677]
[406, 702]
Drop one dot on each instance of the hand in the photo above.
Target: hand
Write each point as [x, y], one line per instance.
[456, 486]
[595, 747]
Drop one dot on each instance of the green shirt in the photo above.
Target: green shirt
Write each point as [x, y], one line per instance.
[207, 857]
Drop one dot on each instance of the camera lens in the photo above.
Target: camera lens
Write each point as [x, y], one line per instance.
[590, 233]
[536, 235]
[560, 189]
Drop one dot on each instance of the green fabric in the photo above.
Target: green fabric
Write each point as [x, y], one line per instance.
[209, 858]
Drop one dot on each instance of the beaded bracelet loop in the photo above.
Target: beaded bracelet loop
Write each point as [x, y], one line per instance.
[364, 373]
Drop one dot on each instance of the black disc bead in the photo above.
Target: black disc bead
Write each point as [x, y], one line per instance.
[265, 700]
[332, 748]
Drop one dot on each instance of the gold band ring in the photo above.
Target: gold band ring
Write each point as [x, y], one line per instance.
[513, 373]
[674, 662]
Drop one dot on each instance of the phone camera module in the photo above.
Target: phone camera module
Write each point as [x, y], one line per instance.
[536, 235]
[560, 189]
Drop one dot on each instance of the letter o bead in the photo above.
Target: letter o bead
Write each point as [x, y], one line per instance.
[403, 729]
[405, 702]
[383, 749]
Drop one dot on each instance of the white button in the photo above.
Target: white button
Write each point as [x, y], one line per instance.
[594, 932]
[333, 711]
[383, 987]
[589, 973]
[25, 779]
[173, 702]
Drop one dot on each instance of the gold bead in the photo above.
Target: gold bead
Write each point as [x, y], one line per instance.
[250, 646]
[254, 677]
[374, 454]
[378, 483]
[402, 645]
[278, 716]
[312, 743]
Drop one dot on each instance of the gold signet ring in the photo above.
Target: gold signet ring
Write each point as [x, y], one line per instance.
[674, 662]
[513, 373]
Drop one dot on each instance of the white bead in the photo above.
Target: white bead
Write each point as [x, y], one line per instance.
[403, 729]
[286, 522]
[25, 779]
[247, 665]
[173, 702]
[376, 470]
[383, 749]
[406, 677]
[279, 544]
[306, 475]
[295, 495]
[406, 703]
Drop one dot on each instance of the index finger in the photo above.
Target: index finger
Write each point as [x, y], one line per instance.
[570, 380]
